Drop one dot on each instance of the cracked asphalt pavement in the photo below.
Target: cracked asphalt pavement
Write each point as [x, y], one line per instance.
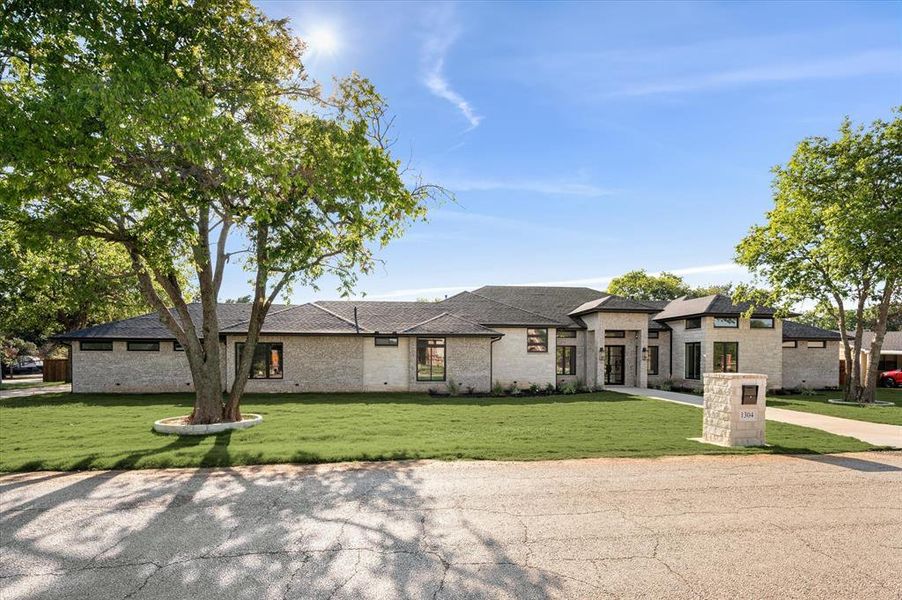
[687, 527]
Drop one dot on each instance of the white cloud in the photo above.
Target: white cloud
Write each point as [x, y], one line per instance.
[413, 293]
[559, 188]
[441, 35]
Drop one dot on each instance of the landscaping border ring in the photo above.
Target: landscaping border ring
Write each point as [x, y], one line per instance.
[178, 426]
[847, 403]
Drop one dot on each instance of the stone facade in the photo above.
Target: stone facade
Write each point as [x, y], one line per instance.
[759, 349]
[468, 361]
[662, 342]
[513, 365]
[635, 328]
[124, 371]
[814, 368]
[579, 345]
[727, 421]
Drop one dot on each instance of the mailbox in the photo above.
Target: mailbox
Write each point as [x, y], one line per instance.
[750, 394]
[734, 409]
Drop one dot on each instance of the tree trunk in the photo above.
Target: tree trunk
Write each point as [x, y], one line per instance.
[870, 388]
[847, 352]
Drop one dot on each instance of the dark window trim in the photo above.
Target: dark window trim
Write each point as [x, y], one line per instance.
[444, 348]
[734, 326]
[694, 319]
[615, 333]
[654, 357]
[128, 346]
[386, 340]
[823, 344]
[696, 364]
[720, 369]
[176, 347]
[566, 334]
[268, 359]
[528, 335]
[773, 322]
[795, 344]
[653, 335]
[81, 345]
[565, 360]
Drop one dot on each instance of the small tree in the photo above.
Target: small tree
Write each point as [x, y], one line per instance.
[834, 235]
[190, 132]
[11, 349]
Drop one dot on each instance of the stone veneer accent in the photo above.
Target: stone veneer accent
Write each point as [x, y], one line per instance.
[811, 367]
[723, 421]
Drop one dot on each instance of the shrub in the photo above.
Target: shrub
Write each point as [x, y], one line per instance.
[497, 389]
[534, 389]
[513, 390]
[471, 390]
[550, 389]
[581, 386]
[666, 386]
[453, 387]
[569, 388]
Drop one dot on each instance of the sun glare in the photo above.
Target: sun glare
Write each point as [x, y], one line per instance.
[322, 40]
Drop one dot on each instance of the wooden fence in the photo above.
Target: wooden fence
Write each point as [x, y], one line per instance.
[57, 369]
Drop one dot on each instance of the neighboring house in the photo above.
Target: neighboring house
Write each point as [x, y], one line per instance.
[890, 352]
[512, 335]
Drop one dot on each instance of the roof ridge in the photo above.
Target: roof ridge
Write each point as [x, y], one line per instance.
[515, 307]
[338, 316]
[415, 325]
[248, 320]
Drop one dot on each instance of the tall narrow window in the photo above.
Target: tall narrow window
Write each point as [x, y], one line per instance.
[726, 357]
[267, 360]
[566, 360]
[694, 360]
[537, 340]
[430, 359]
[652, 360]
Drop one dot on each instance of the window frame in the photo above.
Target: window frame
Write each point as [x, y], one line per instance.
[822, 344]
[752, 321]
[693, 320]
[653, 335]
[392, 341]
[696, 373]
[566, 334]
[559, 360]
[615, 334]
[790, 343]
[177, 347]
[129, 343]
[531, 347]
[735, 321]
[722, 369]
[444, 347]
[654, 356]
[81, 345]
[239, 346]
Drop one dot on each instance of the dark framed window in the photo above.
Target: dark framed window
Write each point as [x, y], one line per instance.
[695, 323]
[614, 333]
[267, 360]
[817, 344]
[653, 335]
[566, 333]
[653, 360]
[732, 322]
[566, 360]
[431, 359]
[726, 357]
[761, 323]
[95, 346]
[385, 340]
[693, 360]
[790, 344]
[142, 346]
[176, 347]
[537, 340]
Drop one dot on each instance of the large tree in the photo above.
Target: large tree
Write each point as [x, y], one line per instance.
[834, 235]
[190, 131]
[640, 285]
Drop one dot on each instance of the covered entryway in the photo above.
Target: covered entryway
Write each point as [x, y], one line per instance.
[614, 357]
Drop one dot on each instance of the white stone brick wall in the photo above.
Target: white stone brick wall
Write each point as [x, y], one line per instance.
[579, 343]
[663, 344]
[468, 361]
[386, 368]
[722, 422]
[124, 371]
[811, 367]
[511, 363]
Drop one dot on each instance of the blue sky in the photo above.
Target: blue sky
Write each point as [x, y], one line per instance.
[585, 140]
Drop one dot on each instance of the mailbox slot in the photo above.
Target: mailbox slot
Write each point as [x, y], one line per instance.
[750, 394]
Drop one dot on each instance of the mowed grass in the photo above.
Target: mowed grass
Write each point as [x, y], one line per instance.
[24, 385]
[68, 432]
[891, 415]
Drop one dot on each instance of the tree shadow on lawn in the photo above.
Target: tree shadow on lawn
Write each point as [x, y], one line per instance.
[293, 532]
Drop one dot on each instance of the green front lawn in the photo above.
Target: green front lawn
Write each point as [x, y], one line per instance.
[12, 384]
[65, 431]
[891, 415]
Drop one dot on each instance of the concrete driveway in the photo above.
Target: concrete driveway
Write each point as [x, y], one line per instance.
[693, 527]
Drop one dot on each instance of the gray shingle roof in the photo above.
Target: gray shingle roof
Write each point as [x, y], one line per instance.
[800, 331]
[403, 317]
[485, 311]
[892, 341]
[716, 304]
[305, 318]
[612, 303]
[554, 303]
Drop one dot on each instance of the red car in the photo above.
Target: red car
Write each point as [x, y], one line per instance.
[891, 378]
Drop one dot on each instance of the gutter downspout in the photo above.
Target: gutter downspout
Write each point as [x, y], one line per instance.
[492, 361]
[356, 324]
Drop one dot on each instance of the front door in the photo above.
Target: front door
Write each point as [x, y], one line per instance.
[613, 365]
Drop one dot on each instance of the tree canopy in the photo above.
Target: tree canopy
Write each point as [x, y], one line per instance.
[191, 132]
[640, 285]
[834, 234]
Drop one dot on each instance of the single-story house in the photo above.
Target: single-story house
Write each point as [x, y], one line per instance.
[890, 353]
[510, 335]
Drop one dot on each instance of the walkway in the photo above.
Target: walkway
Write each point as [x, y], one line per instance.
[21, 392]
[877, 434]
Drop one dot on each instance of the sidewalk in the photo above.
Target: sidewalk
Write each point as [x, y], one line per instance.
[877, 434]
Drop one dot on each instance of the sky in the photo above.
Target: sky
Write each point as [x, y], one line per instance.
[585, 140]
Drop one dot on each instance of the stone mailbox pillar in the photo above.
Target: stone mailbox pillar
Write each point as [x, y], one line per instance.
[734, 409]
